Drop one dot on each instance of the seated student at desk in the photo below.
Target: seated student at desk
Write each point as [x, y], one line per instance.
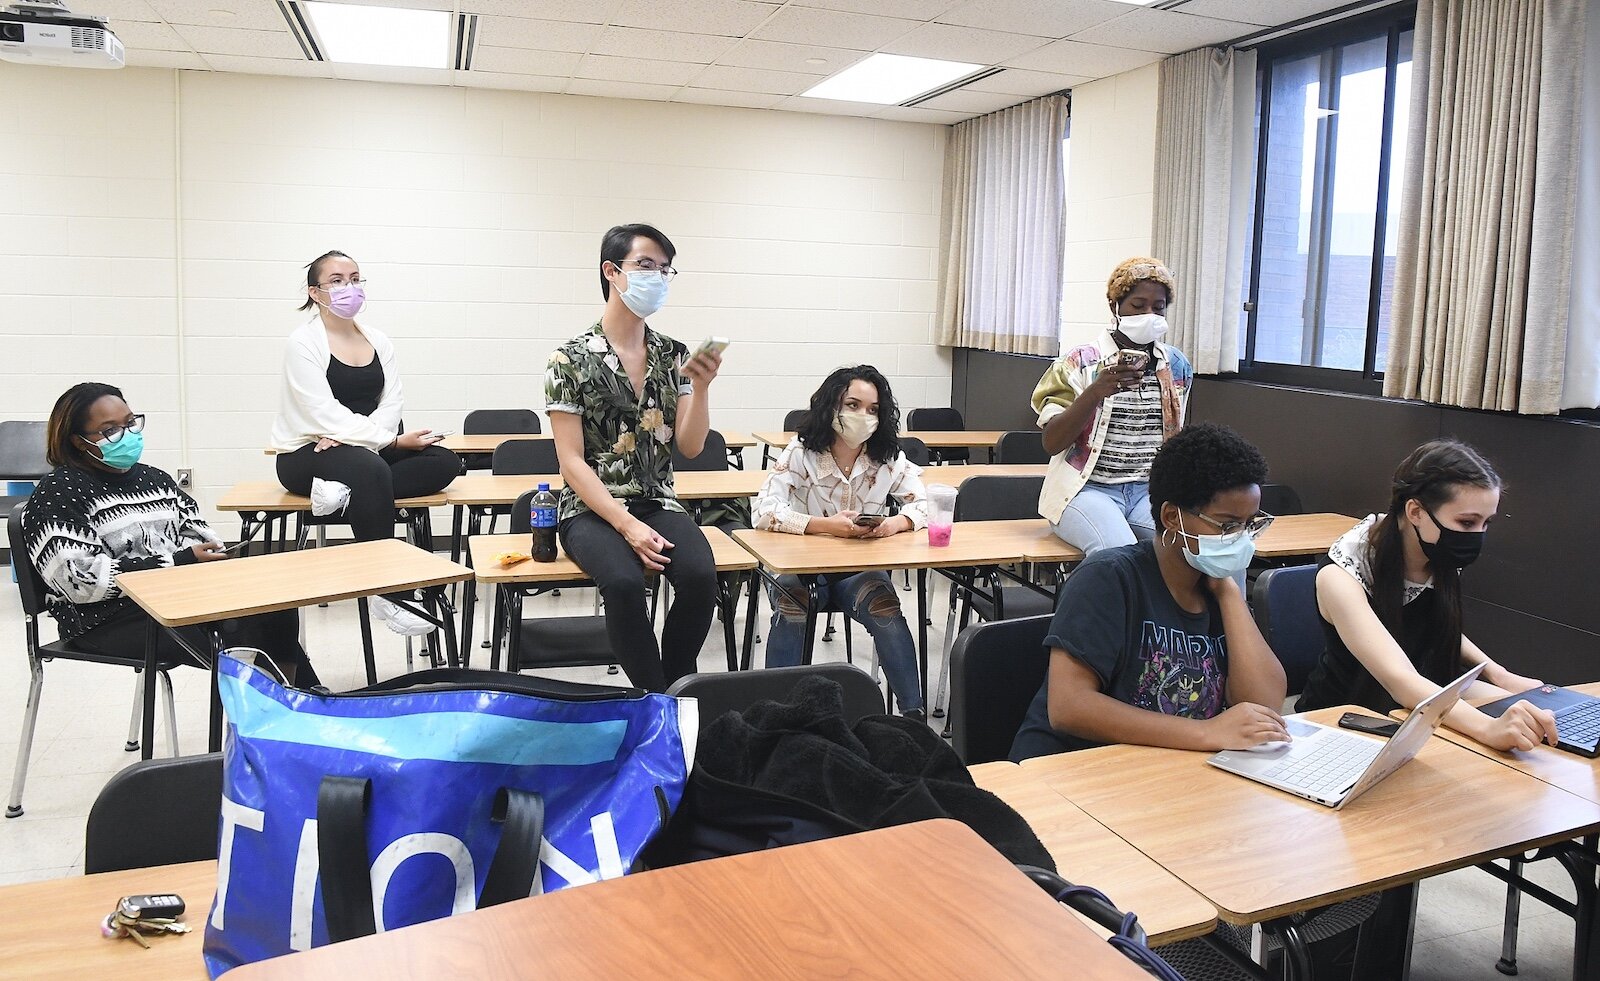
[339, 419]
[846, 462]
[101, 512]
[1389, 592]
[1152, 643]
[619, 394]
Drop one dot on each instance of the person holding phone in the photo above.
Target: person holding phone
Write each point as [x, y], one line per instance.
[1389, 593]
[101, 512]
[338, 434]
[620, 395]
[837, 477]
[1106, 407]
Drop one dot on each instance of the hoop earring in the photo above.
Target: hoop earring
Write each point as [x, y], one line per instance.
[1169, 537]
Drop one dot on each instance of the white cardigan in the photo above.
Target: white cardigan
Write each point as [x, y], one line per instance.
[307, 410]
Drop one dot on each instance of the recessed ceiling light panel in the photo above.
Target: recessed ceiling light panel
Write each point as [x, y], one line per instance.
[362, 35]
[888, 80]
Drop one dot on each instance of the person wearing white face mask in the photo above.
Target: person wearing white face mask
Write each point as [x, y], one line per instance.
[1106, 407]
[836, 478]
[620, 396]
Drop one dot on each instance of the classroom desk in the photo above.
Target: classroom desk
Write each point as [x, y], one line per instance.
[772, 440]
[1303, 534]
[265, 502]
[1257, 853]
[727, 554]
[1087, 854]
[208, 592]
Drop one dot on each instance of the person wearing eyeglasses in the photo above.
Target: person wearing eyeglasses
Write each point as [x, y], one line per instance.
[338, 432]
[1152, 642]
[101, 513]
[1106, 407]
[620, 395]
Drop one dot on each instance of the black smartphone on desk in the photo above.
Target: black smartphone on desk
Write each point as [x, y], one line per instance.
[1371, 725]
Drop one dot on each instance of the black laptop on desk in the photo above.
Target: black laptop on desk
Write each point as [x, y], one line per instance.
[1577, 715]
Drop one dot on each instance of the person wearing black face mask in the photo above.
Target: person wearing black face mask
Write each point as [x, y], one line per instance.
[1389, 593]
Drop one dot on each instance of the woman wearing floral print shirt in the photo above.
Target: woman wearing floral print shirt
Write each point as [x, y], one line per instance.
[618, 396]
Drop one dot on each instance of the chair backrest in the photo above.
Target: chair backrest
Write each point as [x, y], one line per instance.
[941, 419]
[1021, 446]
[998, 498]
[519, 456]
[995, 672]
[721, 692]
[713, 457]
[29, 584]
[155, 812]
[494, 421]
[22, 448]
[1280, 499]
[793, 419]
[915, 450]
[1284, 602]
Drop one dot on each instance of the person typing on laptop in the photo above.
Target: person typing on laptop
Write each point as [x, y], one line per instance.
[1152, 643]
[1389, 594]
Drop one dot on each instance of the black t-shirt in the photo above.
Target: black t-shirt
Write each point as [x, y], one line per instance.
[357, 389]
[1341, 679]
[1117, 616]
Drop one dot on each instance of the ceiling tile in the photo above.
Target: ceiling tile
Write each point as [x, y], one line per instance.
[140, 36]
[1162, 30]
[673, 73]
[520, 61]
[541, 35]
[1274, 14]
[970, 44]
[1046, 18]
[730, 18]
[917, 114]
[226, 40]
[909, 9]
[165, 59]
[121, 10]
[778, 56]
[964, 100]
[1076, 58]
[249, 15]
[499, 80]
[1017, 81]
[717, 97]
[754, 80]
[575, 11]
[621, 90]
[270, 66]
[632, 42]
[831, 28]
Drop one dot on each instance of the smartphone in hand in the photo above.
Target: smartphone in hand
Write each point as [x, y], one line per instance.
[712, 345]
[1130, 360]
[869, 520]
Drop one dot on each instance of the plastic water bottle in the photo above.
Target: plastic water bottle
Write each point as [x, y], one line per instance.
[543, 515]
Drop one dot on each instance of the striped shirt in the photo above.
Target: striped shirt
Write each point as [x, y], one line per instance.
[1133, 434]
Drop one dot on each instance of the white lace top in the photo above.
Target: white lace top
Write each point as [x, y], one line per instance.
[1351, 553]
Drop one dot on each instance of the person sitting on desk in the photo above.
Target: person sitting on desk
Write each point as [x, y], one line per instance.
[1389, 593]
[101, 512]
[836, 478]
[619, 395]
[1152, 643]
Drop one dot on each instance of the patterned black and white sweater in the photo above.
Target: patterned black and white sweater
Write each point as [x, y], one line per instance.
[83, 527]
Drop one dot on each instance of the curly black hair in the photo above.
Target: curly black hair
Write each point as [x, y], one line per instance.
[1198, 463]
[816, 429]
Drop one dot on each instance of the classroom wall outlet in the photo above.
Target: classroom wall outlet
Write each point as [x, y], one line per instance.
[185, 479]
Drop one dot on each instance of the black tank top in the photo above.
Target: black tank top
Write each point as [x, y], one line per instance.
[357, 389]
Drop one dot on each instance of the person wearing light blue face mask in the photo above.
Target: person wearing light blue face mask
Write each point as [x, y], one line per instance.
[1152, 643]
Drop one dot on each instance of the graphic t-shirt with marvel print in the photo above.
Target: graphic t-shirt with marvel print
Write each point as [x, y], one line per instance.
[1117, 617]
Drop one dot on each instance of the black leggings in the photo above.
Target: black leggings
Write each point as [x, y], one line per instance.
[375, 480]
[616, 570]
[276, 633]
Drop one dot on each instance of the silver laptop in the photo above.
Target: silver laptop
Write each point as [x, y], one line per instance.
[1334, 767]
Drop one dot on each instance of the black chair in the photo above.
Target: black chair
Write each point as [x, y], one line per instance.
[793, 419]
[940, 420]
[523, 456]
[22, 449]
[1021, 446]
[1280, 499]
[496, 421]
[32, 590]
[735, 691]
[1284, 602]
[998, 668]
[915, 450]
[155, 812]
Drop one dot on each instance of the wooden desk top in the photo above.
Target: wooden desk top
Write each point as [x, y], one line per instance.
[488, 442]
[481, 489]
[955, 473]
[1303, 534]
[1256, 852]
[724, 550]
[935, 439]
[208, 591]
[269, 495]
[972, 543]
[1088, 854]
[866, 906]
[53, 926]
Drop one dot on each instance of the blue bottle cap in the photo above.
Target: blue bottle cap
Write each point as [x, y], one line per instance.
[544, 487]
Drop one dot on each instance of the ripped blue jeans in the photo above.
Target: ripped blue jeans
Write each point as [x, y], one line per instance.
[870, 599]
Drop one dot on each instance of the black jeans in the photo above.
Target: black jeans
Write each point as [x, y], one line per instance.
[616, 570]
[374, 479]
[276, 633]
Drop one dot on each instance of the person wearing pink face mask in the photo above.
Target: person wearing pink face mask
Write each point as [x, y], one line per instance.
[338, 433]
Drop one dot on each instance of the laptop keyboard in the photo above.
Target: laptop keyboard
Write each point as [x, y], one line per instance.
[1330, 767]
[1581, 726]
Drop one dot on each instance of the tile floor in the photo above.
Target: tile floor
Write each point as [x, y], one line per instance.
[84, 718]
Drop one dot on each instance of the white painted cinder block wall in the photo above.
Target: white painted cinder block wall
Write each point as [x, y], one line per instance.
[1110, 189]
[154, 225]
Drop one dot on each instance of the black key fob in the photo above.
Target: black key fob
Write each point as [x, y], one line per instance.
[155, 906]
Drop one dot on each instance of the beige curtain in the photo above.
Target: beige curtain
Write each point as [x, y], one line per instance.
[1481, 285]
[1195, 210]
[1002, 234]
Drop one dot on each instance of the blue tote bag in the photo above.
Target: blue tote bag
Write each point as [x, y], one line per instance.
[433, 794]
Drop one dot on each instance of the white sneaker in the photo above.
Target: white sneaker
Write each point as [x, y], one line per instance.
[400, 621]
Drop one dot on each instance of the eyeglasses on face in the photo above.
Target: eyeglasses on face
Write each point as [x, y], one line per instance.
[112, 434]
[649, 265]
[1231, 530]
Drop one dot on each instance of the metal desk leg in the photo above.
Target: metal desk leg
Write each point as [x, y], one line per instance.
[493, 640]
[810, 582]
[752, 611]
[1586, 936]
[447, 621]
[214, 724]
[513, 628]
[729, 639]
[1383, 947]
[147, 729]
[922, 631]
[365, 619]
[469, 604]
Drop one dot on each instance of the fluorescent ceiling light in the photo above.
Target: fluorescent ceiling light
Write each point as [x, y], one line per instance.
[361, 35]
[1138, 3]
[889, 80]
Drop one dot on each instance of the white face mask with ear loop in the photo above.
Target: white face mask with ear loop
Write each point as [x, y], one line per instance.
[1142, 328]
